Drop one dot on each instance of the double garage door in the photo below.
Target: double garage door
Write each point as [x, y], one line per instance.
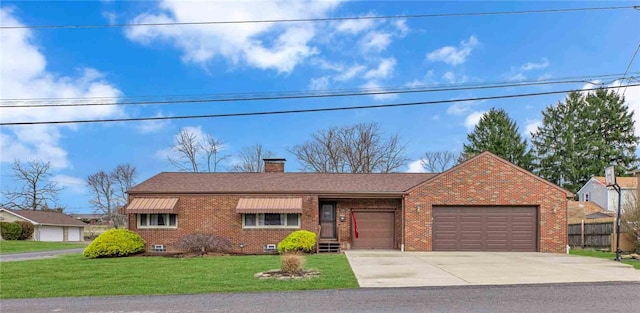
[484, 228]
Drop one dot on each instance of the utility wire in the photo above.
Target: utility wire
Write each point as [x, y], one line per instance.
[408, 16]
[405, 104]
[302, 95]
[627, 69]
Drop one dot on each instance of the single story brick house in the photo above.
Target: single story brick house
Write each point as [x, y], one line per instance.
[483, 204]
[48, 225]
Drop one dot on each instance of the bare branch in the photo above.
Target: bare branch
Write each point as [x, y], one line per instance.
[37, 191]
[187, 146]
[359, 148]
[212, 147]
[439, 161]
[251, 159]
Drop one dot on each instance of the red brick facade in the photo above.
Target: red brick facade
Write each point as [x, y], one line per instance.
[483, 180]
[487, 180]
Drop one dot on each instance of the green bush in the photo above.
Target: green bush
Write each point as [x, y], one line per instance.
[115, 243]
[10, 231]
[27, 230]
[301, 240]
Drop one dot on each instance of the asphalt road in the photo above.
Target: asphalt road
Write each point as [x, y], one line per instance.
[37, 255]
[583, 298]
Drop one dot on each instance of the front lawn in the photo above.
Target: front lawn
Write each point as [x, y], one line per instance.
[74, 275]
[17, 246]
[603, 255]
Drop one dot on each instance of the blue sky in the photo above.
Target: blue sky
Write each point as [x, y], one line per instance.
[254, 58]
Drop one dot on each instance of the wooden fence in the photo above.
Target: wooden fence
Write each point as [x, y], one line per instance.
[591, 235]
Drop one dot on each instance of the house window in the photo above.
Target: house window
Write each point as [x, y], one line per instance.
[271, 220]
[157, 220]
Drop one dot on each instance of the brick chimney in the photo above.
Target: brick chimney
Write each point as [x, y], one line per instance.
[274, 165]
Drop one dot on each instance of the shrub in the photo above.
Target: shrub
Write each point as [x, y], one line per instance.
[301, 240]
[115, 243]
[201, 243]
[292, 263]
[10, 231]
[27, 230]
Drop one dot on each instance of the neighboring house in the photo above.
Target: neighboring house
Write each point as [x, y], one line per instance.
[48, 225]
[596, 190]
[483, 204]
[579, 211]
[92, 219]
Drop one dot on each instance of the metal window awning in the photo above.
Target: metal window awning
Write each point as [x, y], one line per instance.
[269, 205]
[152, 205]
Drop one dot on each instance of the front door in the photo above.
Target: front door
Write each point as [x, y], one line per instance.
[328, 220]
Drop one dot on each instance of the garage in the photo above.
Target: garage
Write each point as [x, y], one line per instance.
[485, 228]
[74, 234]
[50, 233]
[373, 230]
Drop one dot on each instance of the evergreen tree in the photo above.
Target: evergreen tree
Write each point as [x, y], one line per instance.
[581, 135]
[497, 133]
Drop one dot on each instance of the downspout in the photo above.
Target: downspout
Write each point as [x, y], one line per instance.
[402, 239]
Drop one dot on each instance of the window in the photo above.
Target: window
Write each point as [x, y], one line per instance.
[157, 220]
[271, 220]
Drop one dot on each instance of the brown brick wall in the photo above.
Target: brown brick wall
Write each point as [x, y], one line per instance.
[215, 214]
[487, 180]
[271, 167]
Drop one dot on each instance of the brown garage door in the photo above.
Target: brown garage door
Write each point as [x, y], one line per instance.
[484, 228]
[375, 230]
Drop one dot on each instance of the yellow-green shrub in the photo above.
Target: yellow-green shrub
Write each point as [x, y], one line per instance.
[115, 243]
[301, 240]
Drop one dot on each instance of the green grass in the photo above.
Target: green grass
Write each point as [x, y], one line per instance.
[602, 255]
[17, 246]
[74, 275]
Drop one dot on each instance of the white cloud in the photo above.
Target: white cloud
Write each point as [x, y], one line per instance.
[319, 83]
[402, 27]
[152, 126]
[111, 17]
[349, 73]
[416, 167]
[529, 66]
[70, 183]
[454, 55]
[355, 26]
[372, 84]
[384, 69]
[428, 79]
[518, 77]
[460, 108]
[451, 78]
[23, 74]
[532, 126]
[276, 46]
[375, 41]
[472, 120]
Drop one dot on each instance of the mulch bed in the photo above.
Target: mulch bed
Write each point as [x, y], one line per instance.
[280, 275]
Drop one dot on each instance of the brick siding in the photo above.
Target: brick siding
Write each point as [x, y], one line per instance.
[487, 180]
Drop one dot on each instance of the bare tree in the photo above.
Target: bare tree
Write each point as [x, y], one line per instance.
[630, 218]
[194, 153]
[109, 191]
[438, 161]
[37, 191]
[251, 159]
[359, 148]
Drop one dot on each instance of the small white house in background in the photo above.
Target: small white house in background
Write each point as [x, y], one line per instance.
[48, 226]
[596, 190]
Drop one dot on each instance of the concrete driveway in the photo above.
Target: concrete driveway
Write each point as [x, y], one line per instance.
[376, 268]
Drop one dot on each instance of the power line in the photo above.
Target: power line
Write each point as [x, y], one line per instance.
[327, 19]
[318, 94]
[628, 66]
[302, 110]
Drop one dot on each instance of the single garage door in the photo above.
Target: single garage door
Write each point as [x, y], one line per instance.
[75, 234]
[484, 228]
[375, 230]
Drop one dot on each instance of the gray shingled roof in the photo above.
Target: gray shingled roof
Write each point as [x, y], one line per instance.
[48, 218]
[171, 182]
